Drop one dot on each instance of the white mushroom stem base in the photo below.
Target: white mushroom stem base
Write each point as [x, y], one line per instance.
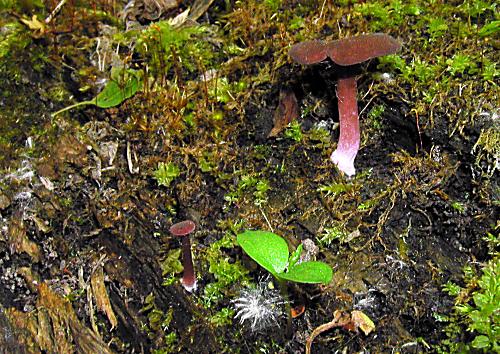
[189, 285]
[348, 145]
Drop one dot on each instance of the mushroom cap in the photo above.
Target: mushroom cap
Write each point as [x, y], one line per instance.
[355, 50]
[346, 51]
[182, 228]
[309, 52]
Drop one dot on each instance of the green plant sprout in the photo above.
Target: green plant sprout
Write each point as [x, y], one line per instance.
[123, 84]
[166, 173]
[271, 252]
[293, 131]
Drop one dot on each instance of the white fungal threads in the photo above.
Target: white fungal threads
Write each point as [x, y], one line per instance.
[261, 306]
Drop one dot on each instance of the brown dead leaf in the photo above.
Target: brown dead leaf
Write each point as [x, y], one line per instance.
[350, 322]
[101, 296]
[363, 322]
[287, 110]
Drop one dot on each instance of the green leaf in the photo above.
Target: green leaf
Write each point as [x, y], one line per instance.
[123, 84]
[118, 90]
[171, 263]
[166, 173]
[295, 256]
[481, 342]
[309, 272]
[480, 299]
[490, 29]
[266, 248]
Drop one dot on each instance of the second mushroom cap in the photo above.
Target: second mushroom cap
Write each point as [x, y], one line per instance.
[182, 228]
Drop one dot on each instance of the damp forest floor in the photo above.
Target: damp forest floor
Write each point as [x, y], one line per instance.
[189, 93]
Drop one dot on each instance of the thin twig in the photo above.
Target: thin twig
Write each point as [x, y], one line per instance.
[55, 11]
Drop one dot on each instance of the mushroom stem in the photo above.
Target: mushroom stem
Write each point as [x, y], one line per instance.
[188, 280]
[348, 145]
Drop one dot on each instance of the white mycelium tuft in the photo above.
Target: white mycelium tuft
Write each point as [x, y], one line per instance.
[260, 306]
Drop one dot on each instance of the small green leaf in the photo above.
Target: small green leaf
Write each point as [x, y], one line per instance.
[295, 256]
[123, 84]
[309, 272]
[166, 173]
[171, 263]
[266, 248]
[117, 91]
[481, 342]
[480, 300]
[489, 29]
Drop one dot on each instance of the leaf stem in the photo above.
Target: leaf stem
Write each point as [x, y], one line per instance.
[288, 308]
[72, 106]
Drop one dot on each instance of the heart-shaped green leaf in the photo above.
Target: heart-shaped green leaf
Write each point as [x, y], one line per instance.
[266, 248]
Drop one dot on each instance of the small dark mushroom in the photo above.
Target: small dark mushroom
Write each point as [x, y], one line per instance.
[183, 229]
[347, 53]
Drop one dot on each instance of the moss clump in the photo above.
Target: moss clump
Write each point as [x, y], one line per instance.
[477, 308]
[165, 47]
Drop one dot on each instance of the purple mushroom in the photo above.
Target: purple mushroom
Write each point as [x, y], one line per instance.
[183, 229]
[347, 54]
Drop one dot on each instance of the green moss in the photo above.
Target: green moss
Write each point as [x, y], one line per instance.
[478, 309]
[250, 187]
[489, 70]
[166, 173]
[157, 326]
[225, 273]
[171, 265]
[224, 317]
[375, 114]
[165, 46]
[170, 344]
[319, 137]
[332, 234]
[386, 15]
[476, 8]
[461, 63]
[436, 27]
[294, 131]
[13, 40]
[334, 189]
[458, 206]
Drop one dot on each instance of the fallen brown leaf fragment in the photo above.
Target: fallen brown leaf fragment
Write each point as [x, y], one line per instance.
[351, 322]
[101, 296]
[287, 111]
[363, 322]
